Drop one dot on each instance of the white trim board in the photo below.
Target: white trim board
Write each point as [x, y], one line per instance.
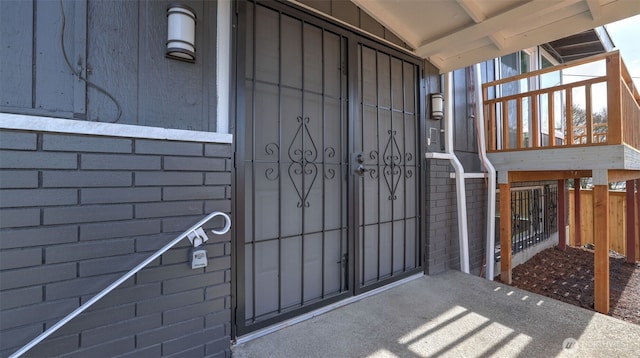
[70, 126]
[577, 158]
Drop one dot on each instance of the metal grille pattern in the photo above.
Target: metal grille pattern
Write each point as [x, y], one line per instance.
[295, 167]
[534, 216]
[389, 243]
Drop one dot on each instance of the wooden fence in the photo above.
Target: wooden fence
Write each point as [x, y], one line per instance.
[617, 220]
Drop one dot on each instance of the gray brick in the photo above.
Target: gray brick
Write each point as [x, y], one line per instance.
[194, 164]
[218, 318]
[88, 250]
[36, 313]
[169, 301]
[119, 229]
[192, 282]
[187, 342]
[179, 224]
[197, 351]
[17, 179]
[148, 352]
[154, 242]
[119, 162]
[119, 195]
[167, 332]
[219, 263]
[95, 318]
[167, 178]
[218, 291]
[192, 311]
[37, 237]
[83, 143]
[109, 349]
[79, 286]
[93, 213]
[75, 179]
[37, 160]
[20, 297]
[161, 273]
[36, 275]
[219, 345]
[217, 178]
[56, 347]
[121, 329]
[217, 150]
[11, 259]
[218, 205]
[13, 218]
[176, 255]
[37, 197]
[192, 193]
[168, 147]
[123, 295]
[112, 264]
[164, 209]
[13, 339]
[18, 140]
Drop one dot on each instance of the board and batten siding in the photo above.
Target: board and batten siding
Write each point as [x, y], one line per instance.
[79, 210]
[117, 45]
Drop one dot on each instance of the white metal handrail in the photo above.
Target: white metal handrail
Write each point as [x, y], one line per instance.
[124, 277]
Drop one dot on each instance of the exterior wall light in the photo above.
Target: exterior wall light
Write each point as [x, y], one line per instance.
[181, 33]
[437, 106]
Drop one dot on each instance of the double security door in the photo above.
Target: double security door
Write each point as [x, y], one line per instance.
[328, 167]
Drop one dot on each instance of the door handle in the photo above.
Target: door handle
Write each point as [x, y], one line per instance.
[360, 170]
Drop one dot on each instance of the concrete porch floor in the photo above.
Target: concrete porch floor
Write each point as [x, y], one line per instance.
[451, 314]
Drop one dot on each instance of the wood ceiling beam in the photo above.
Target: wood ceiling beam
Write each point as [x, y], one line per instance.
[491, 25]
[595, 9]
[623, 175]
[473, 10]
[524, 176]
[379, 12]
[578, 22]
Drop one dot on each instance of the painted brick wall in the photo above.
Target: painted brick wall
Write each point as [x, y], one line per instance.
[77, 211]
[443, 251]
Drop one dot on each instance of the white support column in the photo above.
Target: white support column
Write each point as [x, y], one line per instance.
[223, 65]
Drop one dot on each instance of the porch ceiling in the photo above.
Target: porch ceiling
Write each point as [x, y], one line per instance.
[456, 33]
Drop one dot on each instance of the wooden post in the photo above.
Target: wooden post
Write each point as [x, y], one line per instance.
[601, 238]
[631, 221]
[562, 233]
[614, 99]
[638, 218]
[505, 232]
[576, 208]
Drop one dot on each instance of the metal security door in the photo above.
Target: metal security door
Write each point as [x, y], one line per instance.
[292, 165]
[388, 163]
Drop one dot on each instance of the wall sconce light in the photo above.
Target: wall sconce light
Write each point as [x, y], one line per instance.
[437, 106]
[181, 33]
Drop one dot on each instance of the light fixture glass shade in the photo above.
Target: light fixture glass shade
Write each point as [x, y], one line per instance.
[181, 33]
[437, 106]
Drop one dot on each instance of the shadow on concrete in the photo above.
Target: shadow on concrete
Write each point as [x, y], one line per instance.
[451, 314]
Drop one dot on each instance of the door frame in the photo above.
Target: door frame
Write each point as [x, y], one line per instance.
[354, 37]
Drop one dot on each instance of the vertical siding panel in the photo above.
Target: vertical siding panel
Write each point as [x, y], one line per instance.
[80, 44]
[170, 93]
[16, 32]
[54, 82]
[113, 59]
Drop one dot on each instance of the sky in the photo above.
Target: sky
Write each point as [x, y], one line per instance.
[624, 34]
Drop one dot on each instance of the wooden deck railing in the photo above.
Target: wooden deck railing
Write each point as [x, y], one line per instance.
[564, 115]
